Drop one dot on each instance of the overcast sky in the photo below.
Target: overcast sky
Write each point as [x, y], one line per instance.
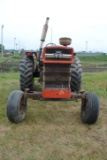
[81, 20]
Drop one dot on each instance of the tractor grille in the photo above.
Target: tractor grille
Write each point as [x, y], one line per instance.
[56, 76]
[58, 54]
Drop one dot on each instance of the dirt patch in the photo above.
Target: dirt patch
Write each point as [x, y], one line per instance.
[94, 69]
[9, 66]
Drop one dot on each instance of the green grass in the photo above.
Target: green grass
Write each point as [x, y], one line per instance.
[11, 58]
[95, 60]
[95, 82]
[53, 130]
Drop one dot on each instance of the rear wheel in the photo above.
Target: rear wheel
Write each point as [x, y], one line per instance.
[22, 76]
[26, 73]
[89, 108]
[16, 107]
[76, 75]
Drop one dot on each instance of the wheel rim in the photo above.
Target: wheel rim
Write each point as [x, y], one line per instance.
[22, 108]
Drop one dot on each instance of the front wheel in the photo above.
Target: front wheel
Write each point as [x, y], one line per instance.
[90, 108]
[16, 106]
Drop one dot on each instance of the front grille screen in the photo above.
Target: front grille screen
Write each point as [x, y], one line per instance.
[56, 76]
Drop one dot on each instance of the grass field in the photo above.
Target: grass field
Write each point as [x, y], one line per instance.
[94, 60]
[53, 130]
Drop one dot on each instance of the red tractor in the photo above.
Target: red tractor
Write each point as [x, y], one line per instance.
[60, 73]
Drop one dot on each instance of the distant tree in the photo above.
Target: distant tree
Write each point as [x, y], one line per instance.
[22, 51]
[1, 47]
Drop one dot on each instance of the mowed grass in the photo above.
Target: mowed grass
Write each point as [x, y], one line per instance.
[93, 60]
[53, 130]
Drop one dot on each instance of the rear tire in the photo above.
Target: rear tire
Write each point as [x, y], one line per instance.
[16, 107]
[29, 79]
[90, 108]
[26, 73]
[76, 75]
[22, 76]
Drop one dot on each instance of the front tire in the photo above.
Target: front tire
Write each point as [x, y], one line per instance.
[16, 107]
[89, 108]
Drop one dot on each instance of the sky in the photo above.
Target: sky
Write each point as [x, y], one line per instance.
[84, 21]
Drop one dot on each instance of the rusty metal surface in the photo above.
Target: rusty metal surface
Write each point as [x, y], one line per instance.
[34, 95]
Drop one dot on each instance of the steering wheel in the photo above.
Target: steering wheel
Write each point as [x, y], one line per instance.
[53, 44]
